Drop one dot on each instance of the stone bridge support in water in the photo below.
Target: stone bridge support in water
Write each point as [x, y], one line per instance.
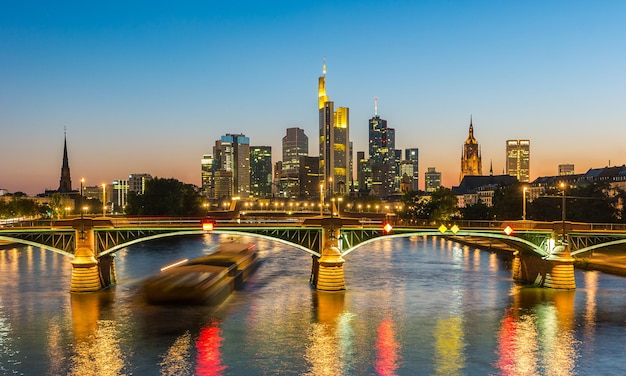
[555, 271]
[327, 271]
[88, 273]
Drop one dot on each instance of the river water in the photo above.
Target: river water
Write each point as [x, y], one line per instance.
[413, 306]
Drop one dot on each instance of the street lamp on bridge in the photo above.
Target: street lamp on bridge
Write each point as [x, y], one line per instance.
[524, 203]
[563, 213]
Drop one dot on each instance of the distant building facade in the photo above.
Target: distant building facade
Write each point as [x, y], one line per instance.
[432, 179]
[232, 155]
[412, 155]
[518, 159]
[261, 171]
[382, 158]
[566, 169]
[310, 177]
[137, 182]
[295, 146]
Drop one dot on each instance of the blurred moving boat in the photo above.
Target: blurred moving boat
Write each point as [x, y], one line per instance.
[207, 280]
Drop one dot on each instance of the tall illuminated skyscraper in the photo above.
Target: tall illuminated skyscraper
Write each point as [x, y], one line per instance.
[334, 141]
[261, 171]
[412, 155]
[518, 159]
[381, 155]
[232, 157]
[471, 163]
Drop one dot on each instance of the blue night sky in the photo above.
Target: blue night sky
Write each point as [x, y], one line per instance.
[149, 86]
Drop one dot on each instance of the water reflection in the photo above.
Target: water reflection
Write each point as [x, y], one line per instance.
[176, 360]
[96, 341]
[387, 348]
[208, 345]
[324, 352]
[536, 333]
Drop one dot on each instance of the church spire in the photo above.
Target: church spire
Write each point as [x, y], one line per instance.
[65, 183]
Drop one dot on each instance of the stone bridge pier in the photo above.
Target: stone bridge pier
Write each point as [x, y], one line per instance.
[555, 271]
[88, 273]
[327, 271]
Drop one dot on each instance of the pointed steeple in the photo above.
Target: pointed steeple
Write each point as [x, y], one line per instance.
[491, 168]
[65, 183]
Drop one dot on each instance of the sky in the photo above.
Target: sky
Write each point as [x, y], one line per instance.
[148, 86]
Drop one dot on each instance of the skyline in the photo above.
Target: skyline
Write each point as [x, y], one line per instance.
[149, 90]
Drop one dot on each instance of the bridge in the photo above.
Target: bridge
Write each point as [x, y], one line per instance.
[543, 251]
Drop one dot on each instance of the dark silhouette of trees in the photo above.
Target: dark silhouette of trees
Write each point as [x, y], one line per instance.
[441, 206]
[166, 197]
[478, 211]
[588, 202]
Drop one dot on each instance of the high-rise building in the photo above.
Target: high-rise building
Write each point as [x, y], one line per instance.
[471, 163]
[412, 155]
[381, 155]
[432, 180]
[334, 141]
[137, 182]
[566, 169]
[261, 171]
[295, 146]
[119, 195]
[363, 172]
[232, 154]
[208, 176]
[518, 159]
[309, 177]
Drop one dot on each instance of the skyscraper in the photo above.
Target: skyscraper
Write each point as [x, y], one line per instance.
[432, 180]
[471, 163]
[261, 171]
[518, 159]
[381, 155]
[412, 155]
[295, 146]
[208, 176]
[232, 155]
[334, 141]
[309, 177]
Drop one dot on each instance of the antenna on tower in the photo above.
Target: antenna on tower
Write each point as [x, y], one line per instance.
[375, 106]
[324, 69]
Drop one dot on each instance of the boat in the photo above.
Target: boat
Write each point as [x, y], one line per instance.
[207, 280]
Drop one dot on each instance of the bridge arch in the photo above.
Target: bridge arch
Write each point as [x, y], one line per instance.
[202, 232]
[38, 245]
[597, 246]
[531, 246]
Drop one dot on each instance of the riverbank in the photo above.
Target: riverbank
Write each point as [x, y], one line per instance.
[612, 261]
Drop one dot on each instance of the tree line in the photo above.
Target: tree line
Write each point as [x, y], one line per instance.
[595, 202]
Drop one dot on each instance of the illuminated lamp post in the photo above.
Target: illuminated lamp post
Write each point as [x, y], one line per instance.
[563, 214]
[82, 223]
[104, 198]
[322, 200]
[524, 203]
[339, 200]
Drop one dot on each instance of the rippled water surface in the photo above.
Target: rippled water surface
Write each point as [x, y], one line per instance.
[413, 306]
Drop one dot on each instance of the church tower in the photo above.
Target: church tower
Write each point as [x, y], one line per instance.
[65, 183]
[471, 163]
